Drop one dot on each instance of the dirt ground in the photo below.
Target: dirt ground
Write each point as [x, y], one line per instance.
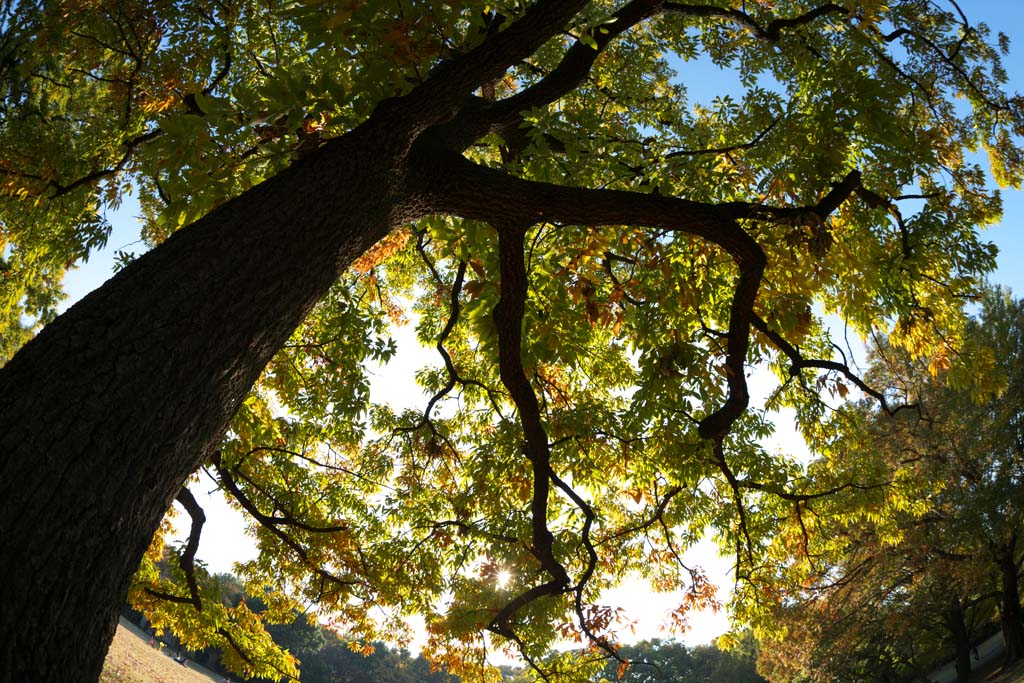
[131, 660]
[1015, 674]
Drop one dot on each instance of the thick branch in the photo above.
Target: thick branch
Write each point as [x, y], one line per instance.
[483, 116]
[449, 183]
[566, 77]
[770, 33]
[455, 185]
[450, 83]
[188, 557]
[508, 320]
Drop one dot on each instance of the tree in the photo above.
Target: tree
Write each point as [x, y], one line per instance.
[654, 661]
[932, 551]
[597, 263]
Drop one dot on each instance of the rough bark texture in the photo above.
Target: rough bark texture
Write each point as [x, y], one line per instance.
[112, 406]
[1010, 610]
[954, 618]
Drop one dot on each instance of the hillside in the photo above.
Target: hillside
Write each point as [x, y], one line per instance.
[1015, 674]
[131, 660]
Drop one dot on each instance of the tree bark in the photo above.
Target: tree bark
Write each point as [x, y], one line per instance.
[1010, 609]
[110, 408]
[954, 618]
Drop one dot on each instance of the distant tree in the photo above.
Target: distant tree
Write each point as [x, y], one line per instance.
[598, 259]
[931, 543]
[666, 661]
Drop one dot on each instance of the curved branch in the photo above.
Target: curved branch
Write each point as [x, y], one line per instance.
[567, 76]
[799, 363]
[453, 375]
[271, 524]
[588, 517]
[770, 33]
[452, 184]
[508, 320]
[451, 82]
[187, 559]
[453, 318]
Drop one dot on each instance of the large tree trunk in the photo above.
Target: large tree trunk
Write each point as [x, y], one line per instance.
[1010, 609]
[114, 404]
[954, 619]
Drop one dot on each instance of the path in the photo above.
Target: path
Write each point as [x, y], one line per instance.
[988, 652]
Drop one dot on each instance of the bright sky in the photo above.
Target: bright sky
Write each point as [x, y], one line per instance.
[223, 541]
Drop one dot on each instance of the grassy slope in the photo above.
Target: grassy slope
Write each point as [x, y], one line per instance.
[131, 660]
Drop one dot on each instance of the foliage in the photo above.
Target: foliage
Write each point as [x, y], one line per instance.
[901, 570]
[325, 657]
[657, 661]
[597, 258]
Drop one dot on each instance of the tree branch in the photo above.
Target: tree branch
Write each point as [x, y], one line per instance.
[450, 83]
[770, 33]
[508, 319]
[570, 72]
[753, 142]
[455, 185]
[187, 559]
[131, 145]
[799, 363]
[271, 524]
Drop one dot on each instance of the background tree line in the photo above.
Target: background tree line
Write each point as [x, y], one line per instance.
[920, 558]
[326, 657]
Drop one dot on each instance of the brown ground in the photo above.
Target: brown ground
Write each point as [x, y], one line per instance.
[993, 672]
[996, 674]
[131, 660]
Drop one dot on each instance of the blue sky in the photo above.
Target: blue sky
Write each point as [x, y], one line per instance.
[1007, 16]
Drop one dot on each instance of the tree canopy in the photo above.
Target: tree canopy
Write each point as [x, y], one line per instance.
[898, 573]
[598, 260]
